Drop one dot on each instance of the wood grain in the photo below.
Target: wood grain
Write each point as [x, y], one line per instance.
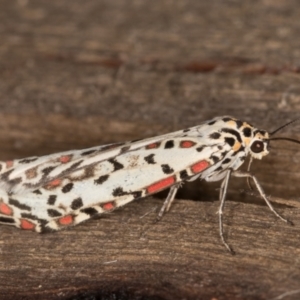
[180, 257]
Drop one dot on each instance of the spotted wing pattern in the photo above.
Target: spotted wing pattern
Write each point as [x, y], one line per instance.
[54, 191]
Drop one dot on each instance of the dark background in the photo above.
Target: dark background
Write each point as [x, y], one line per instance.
[75, 74]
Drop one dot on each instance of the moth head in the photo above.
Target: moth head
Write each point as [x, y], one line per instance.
[261, 140]
[259, 144]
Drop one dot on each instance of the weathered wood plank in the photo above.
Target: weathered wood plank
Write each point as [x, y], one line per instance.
[179, 257]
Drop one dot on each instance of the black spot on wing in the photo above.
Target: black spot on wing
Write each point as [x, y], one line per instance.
[167, 169]
[186, 130]
[52, 199]
[183, 175]
[101, 179]
[169, 144]
[18, 204]
[199, 149]
[87, 152]
[47, 170]
[229, 141]
[29, 216]
[116, 164]
[211, 122]
[223, 153]
[53, 213]
[77, 203]
[67, 188]
[150, 159]
[118, 192]
[27, 160]
[215, 158]
[220, 168]
[227, 119]
[136, 194]
[89, 211]
[7, 220]
[215, 135]
[38, 192]
[226, 161]
[125, 149]
[15, 181]
[5, 175]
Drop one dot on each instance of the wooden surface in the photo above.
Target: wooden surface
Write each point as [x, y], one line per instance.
[83, 73]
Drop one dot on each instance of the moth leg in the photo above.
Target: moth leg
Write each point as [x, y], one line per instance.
[261, 192]
[248, 170]
[169, 200]
[222, 196]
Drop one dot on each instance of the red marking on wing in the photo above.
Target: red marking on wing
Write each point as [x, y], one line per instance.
[5, 209]
[55, 182]
[160, 185]
[108, 206]
[153, 146]
[9, 163]
[187, 144]
[66, 220]
[200, 166]
[52, 184]
[27, 225]
[65, 159]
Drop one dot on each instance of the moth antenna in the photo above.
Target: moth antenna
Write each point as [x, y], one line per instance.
[285, 139]
[283, 126]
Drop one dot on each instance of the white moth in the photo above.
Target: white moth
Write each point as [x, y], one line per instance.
[54, 191]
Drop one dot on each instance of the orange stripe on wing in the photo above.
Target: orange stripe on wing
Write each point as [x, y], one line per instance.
[153, 145]
[64, 159]
[9, 163]
[27, 225]
[66, 220]
[53, 184]
[108, 206]
[5, 209]
[187, 144]
[160, 185]
[200, 166]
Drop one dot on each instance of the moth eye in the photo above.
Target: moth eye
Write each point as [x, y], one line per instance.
[257, 146]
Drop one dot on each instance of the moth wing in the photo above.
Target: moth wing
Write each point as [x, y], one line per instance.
[101, 186]
[28, 174]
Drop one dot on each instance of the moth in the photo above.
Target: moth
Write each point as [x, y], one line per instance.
[55, 191]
